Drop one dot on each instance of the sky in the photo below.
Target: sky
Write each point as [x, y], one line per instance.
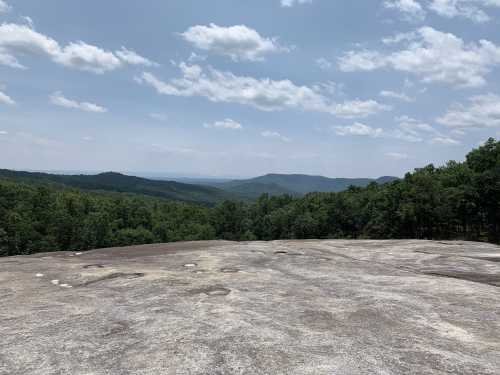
[234, 88]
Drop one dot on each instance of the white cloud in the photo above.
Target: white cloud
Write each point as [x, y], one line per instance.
[434, 56]
[362, 60]
[411, 9]
[397, 156]
[358, 108]
[482, 111]
[4, 7]
[224, 124]
[358, 129]
[324, 64]
[413, 126]
[3, 132]
[6, 99]
[9, 60]
[401, 37]
[396, 95]
[22, 39]
[132, 58]
[194, 57]
[411, 130]
[239, 42]
[58, 99]
[329, 88]
[28, 21]
[291, 3]
[462, 8]
[275, 135]
[87, 57]
[408, 130]
[158, 116]
[264, 94]
[406, 136]
[444, 141]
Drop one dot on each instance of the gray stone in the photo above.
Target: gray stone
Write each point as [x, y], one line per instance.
[285, 307]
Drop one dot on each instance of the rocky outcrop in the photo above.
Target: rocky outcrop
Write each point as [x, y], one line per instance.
[288, 307]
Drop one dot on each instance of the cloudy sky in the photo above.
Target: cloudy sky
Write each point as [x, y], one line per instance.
[242, 88]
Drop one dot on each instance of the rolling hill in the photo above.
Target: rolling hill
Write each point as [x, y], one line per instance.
[297, 184]
[116, 182]
[204, 192]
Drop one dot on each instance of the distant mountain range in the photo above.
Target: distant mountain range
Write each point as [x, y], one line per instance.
[295, 184]
[116, 182]
[207, 192]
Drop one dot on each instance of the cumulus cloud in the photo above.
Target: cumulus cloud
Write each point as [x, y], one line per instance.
[87, 57]
[264, 94]
[323, 63]
[412, 130]
[132, 58]
[408, 130]
[411, 9]
[194, 58]
[358, 129]
[413, 126]
[28, 21]
[434, 56]
[400, 37]
[463, 8]
[358, 108]
[18, 39]
[6, 99]
[482, 111]
[275, 135]
[58, 99]
[4, 7]
[239, 42]
[362, 60]
[224, 124]
[291, 3]
[396, 95]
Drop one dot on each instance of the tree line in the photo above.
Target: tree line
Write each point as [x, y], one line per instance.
[455, 201]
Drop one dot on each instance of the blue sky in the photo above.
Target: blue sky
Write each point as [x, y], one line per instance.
[243, 88]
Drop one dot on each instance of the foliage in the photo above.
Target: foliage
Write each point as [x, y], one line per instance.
[456, 201]
[116, 182]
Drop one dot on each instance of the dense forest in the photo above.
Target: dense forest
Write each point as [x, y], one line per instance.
[455, 201]
[119, 183]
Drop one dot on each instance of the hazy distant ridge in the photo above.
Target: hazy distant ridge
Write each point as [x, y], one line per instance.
[116, 182]
[206, 192]
[297, 184]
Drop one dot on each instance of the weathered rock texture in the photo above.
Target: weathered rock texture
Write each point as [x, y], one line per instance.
[291, 307]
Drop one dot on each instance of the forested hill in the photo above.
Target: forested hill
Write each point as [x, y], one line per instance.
[298, 184]
[455, 201]
[116, 182]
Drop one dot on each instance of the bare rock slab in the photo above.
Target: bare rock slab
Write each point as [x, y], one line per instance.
[285, 307]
